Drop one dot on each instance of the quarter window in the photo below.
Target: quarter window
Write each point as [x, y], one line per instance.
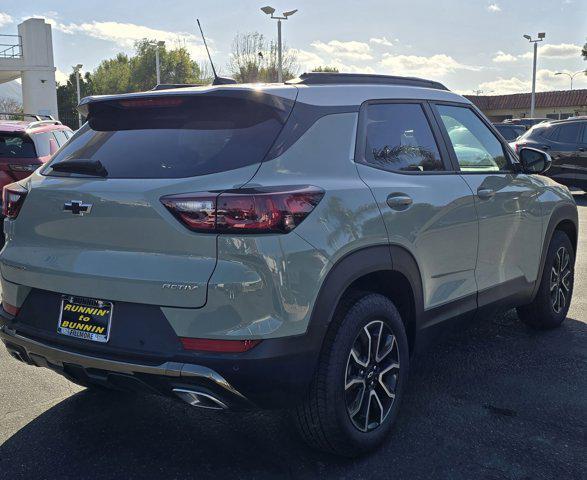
[476, 147]
[399, 138]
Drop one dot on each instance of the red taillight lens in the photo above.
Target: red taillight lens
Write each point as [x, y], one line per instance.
[246, 210]
[220, 346]
[10, 309]
[13, 196]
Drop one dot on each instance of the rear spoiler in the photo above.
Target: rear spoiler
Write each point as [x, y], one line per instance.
[269, 97]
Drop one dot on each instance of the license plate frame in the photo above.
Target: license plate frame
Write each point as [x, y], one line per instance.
[85, 318]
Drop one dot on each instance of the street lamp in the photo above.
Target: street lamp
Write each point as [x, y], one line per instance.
[571, 75]
[541, 37]
[158, 45]
[270, 11]
[76, 70]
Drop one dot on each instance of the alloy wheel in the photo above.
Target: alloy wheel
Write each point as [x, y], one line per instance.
[371, 376]
[560, 280]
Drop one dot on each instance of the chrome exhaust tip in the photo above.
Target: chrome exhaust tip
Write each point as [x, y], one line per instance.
[200, 399]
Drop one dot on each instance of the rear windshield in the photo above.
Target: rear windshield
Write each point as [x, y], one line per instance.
[16, 146]
[175, 136]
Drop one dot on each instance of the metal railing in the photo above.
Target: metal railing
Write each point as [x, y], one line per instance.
[10, 46]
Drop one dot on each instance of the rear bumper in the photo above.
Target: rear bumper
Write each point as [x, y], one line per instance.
[274, 374]
[162, 378]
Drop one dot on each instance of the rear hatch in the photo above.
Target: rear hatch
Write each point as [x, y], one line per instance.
[103, 232]
[18, 157]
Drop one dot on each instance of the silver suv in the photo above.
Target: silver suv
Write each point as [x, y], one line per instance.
[271, 246]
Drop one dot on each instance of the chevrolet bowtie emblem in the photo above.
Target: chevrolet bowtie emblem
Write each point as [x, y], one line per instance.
[77, 207]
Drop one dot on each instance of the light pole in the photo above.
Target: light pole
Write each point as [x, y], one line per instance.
[571, 75]
[76, 70]
[541, 37]
[271, 11]
[158, 45]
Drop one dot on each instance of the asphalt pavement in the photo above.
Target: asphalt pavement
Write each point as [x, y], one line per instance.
[492, 400]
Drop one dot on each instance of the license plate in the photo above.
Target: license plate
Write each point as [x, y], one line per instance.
[85, 318]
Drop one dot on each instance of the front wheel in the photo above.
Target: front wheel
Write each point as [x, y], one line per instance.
[355, 396]
[552, 302]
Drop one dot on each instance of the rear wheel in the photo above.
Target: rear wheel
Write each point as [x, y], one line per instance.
[552, 302]
[355, 396]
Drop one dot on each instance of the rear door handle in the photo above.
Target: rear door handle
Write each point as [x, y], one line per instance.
[545, 147]
[399, 201]
[485, 193]
[581, 149]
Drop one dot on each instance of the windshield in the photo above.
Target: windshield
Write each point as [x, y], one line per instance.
[175, 137]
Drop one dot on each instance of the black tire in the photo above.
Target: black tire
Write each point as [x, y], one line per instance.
[323, 419]
[544, 313]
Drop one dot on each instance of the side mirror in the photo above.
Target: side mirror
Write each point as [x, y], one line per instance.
[53, 147]
[534, 160]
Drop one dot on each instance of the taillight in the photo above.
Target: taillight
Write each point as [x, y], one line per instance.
[10, 309]
[13, 196]
[245, 211]
[219, 346]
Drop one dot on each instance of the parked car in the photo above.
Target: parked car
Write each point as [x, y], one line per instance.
[26, 145]
[566, 142]
[278, 246]
[510, 131]
[526, 122]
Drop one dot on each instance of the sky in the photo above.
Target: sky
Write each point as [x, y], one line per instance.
[468, 45]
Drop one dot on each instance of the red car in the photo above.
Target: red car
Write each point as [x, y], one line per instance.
[25, 145]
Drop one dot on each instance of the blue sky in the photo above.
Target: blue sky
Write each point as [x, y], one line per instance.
[468, 45]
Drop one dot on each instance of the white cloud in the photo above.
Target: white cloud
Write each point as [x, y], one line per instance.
[493, 8]
[502, 57]
[125, 34]
[61, 77]
[5, 19]
[557, 50]
[307, 60]
[352, 50]
[430, 67]
[546, 80]
[381, 41]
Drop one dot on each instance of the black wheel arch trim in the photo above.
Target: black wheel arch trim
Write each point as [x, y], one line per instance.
[562, 213]
[348, 269]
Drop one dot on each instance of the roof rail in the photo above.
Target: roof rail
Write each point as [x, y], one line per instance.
[38, 117]
[40, 123]
[170, 86]
[329, 78]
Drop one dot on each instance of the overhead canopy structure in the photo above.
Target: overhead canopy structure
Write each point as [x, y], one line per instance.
[29, 56]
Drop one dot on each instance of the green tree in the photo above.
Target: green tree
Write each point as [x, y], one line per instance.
[137, 73]
[113, 76]
[176, 66]
[325, 69]
[67, 97]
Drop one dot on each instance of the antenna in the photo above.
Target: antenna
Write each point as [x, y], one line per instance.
[217, 80]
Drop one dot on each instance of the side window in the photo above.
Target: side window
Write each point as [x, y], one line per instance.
[584, 139]
[476, 147]
[42, 143]
[399, 138]
[569, 133]
[60, 137]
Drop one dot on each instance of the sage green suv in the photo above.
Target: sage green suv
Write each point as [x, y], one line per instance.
[278, 246]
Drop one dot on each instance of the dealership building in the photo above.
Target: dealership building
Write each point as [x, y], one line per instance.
[555, 105]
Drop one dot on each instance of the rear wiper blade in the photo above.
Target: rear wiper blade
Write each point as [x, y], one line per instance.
[81, 165]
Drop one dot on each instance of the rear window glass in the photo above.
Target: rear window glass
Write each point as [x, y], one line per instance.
[178, 136]
[16, 146]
